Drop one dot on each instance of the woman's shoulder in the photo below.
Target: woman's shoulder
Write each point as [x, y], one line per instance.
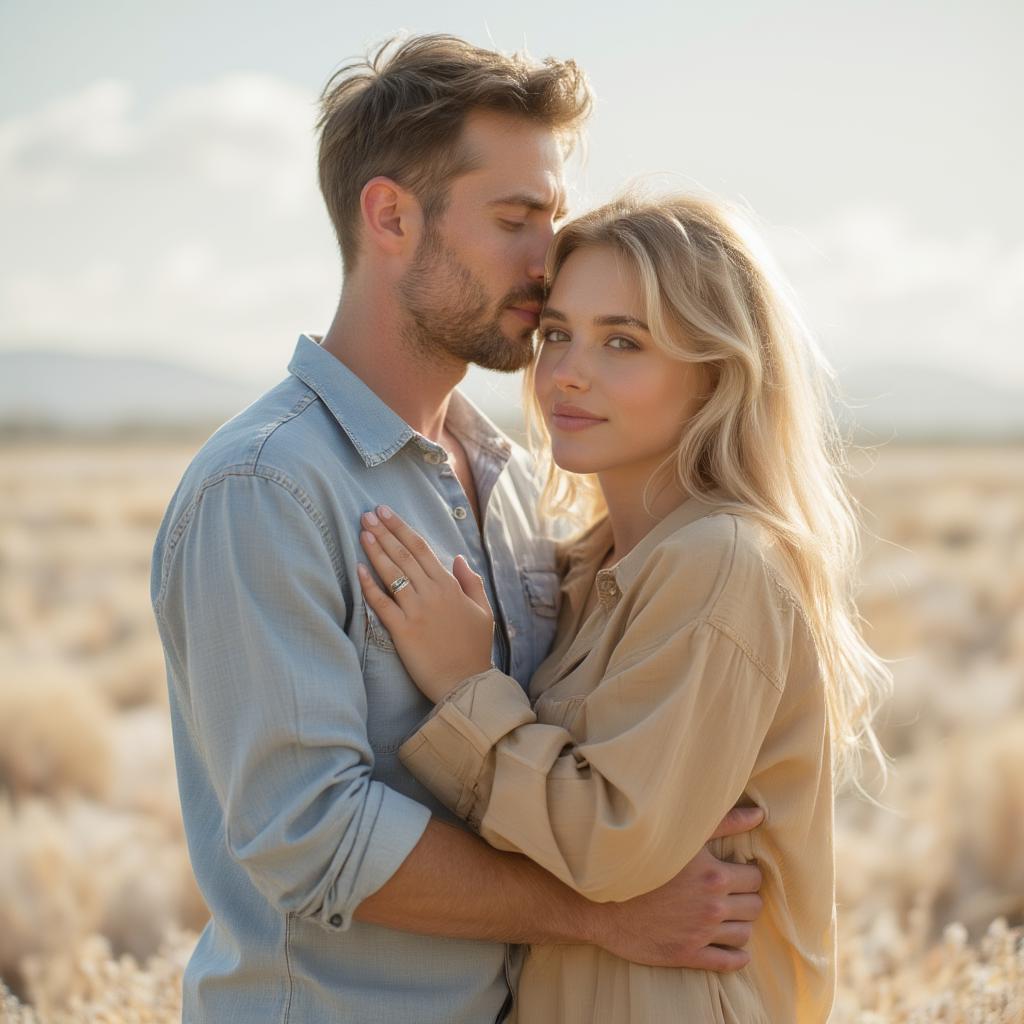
[713, 542]
[729, 562]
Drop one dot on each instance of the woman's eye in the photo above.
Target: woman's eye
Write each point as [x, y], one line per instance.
[553, 334]
[622, 344]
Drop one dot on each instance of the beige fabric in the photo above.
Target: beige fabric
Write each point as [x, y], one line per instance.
[693, 685]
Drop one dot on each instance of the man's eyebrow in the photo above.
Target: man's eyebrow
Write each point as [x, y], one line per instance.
[533, 202]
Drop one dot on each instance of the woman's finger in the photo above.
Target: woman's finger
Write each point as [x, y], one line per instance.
[387, 570]
[472, 584]
[387, 611]
[403, 558]
[413, 543]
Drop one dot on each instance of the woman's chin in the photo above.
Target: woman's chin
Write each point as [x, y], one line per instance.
[574, 463]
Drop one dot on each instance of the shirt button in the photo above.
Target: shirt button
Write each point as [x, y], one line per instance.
[335, 920]
[434, 458]
[459, 512]
[512, 632]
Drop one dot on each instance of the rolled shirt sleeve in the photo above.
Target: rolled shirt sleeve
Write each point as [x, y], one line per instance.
[252, 610]
[670, 734]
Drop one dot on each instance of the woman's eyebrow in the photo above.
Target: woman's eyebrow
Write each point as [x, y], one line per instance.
[621, 320]
[609, 320]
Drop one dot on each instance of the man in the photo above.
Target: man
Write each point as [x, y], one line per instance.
[338, 888]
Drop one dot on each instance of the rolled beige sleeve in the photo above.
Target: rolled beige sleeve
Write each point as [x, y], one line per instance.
[676, 733]
[452, 752]
[672, 739]
[668, 738]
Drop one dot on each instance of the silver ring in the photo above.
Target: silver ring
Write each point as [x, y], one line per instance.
[400, 584]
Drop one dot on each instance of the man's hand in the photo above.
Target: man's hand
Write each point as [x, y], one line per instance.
[700, 919]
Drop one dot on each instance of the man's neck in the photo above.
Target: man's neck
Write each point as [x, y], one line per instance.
[369, 335]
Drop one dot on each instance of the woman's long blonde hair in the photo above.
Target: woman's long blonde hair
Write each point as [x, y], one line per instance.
[764, 438]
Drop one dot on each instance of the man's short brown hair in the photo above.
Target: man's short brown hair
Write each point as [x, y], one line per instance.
[399, 113]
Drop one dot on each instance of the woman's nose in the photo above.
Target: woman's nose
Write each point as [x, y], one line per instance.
[569, 373]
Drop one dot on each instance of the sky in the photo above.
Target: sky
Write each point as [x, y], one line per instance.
[157, 175]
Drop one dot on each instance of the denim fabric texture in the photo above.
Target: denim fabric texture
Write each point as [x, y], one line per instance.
[289, 702]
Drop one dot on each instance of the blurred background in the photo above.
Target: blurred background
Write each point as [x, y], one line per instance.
[164, 243]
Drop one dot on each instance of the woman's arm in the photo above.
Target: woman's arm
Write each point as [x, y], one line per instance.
[671, 733]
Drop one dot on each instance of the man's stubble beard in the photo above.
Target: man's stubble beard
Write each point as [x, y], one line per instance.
[450, 316]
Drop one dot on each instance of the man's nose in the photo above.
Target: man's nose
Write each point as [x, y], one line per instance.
[538, 254]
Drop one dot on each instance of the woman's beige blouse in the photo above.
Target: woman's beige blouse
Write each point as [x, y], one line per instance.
[692, 686]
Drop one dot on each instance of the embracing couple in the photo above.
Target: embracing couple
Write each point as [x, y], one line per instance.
[464, 735]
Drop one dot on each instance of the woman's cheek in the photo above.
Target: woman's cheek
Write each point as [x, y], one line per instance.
[542, 377]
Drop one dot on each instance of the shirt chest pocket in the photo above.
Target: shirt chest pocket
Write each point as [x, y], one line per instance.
[542, 591]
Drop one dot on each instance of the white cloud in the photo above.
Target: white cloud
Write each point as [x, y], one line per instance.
[190, 229]
[42, 155]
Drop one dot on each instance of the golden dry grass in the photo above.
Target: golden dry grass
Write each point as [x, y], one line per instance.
[98, 910]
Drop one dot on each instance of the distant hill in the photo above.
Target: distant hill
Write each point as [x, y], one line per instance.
[69, 391]
[66, 392]
[902, 402]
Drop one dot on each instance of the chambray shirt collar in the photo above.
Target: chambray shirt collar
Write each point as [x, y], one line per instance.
[468, 423]
[375, 430]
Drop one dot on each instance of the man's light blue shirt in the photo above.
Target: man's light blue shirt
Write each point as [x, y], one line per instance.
[289, 703]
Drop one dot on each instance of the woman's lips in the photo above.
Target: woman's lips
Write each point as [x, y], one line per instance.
[568, 421]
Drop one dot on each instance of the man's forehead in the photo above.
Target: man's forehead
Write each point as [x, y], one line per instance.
[515, 157]
[531, 186]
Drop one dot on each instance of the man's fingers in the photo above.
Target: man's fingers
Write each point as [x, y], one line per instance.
[714, 958]
[740, 877]
[744, 907]
[732, 933]
[739, 819]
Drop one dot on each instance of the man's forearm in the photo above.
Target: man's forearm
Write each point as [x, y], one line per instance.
[454, 884]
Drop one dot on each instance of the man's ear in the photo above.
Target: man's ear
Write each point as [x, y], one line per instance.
[392, 218]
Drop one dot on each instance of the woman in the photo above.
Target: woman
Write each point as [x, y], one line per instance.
[707, 652]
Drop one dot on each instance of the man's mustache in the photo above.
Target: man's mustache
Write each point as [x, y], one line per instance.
[533, 296]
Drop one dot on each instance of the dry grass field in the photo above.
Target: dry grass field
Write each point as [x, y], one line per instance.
[97, 904]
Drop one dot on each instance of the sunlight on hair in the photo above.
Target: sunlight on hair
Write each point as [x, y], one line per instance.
[764, 444]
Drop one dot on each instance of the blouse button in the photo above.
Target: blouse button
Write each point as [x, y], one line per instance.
[459, 512]
[434, 458]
